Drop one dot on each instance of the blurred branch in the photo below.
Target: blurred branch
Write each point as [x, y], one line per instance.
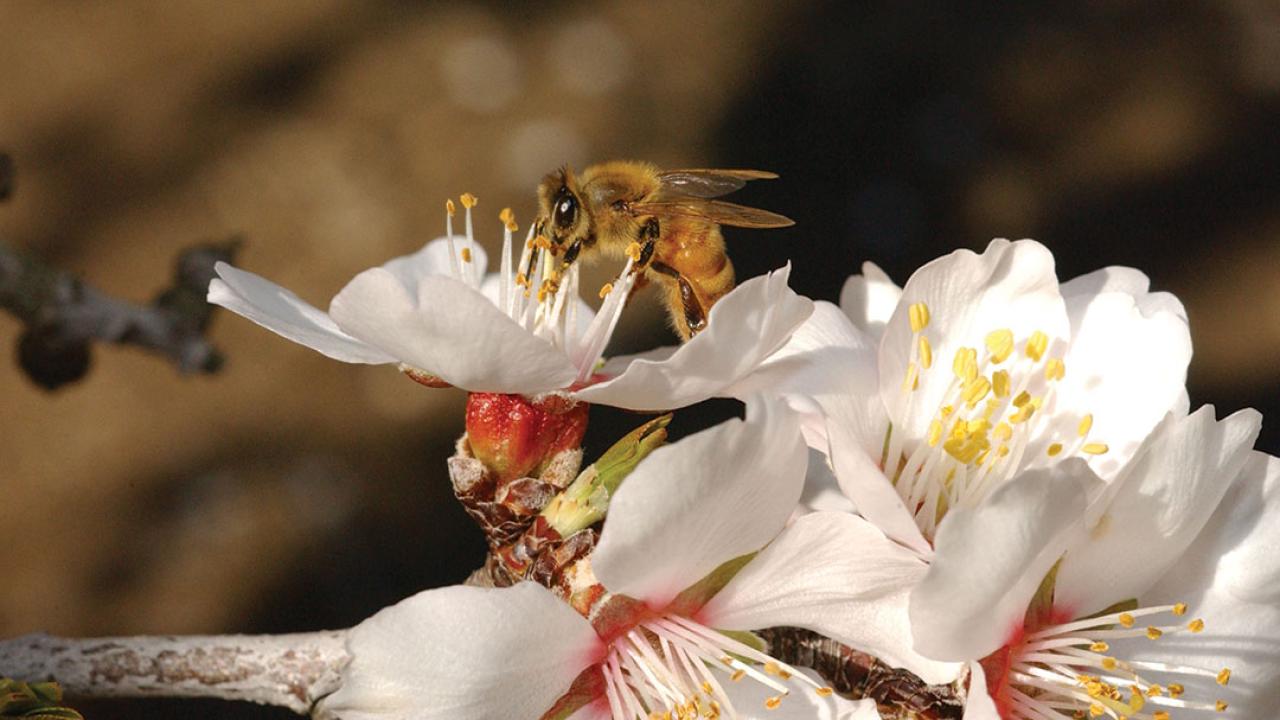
[292, 671]
[63, 316]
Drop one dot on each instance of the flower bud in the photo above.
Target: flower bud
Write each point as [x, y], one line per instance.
[516, 438]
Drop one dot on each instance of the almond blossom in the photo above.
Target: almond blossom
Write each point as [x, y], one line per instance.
[1070, 596]
[980, 368]
[443, 320]
[694, 554]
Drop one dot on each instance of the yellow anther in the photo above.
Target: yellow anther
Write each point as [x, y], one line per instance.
[976, 427]
[771, 668]
[1154, 633]
[1023, 398]
[926, 353]
[1026, 411]
[1003, 431]
[469, 201]
[918, 313]
[1099, 647]
[707, 688]
[1109, 663]
[1224, 676]
[773, 702]
[466, 255]
[521, 280]
[1000, 383]
[1096, 710]
[1055, 369]
[975, 390]
[1220, 706]
[1054, 449]
[1180, 609]
[1000, 345]
[1095, 448]
[947, 410]
[1160, 715]
[738, 675]
[935, 433]
[605, 289]
[909, 380]
[1176, 690]
[1154, 691]
[449, 208]
[506, 216]
[965, 364]
[989, 411]
[1003, 451]
[1036, 346]
[542, 241]
[1127, 621]
[1196, 625]
[633, 251]
[1086, 424]
[824, 691]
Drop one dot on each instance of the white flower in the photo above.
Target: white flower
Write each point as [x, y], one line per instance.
[522, 330]
[1066, 605]
[981, 368]
[687, 510]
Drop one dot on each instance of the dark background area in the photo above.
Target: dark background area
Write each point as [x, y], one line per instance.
[290, 492]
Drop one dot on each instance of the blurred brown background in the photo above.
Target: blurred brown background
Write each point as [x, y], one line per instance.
[292, 492]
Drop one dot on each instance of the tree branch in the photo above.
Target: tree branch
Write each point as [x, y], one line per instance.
[292, 671]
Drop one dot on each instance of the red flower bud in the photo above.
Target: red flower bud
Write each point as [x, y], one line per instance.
[516, 438]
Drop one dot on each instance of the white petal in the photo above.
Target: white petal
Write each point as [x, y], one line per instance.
[1010, 286]
[1160, 504]
[861, 479]
[1126, 368]
[287, 315]
[837, 575]
[700, 502]
[821, 490]
[869, 299]
[826, 357]
[1113, 278]
[802, 704]
[449, 330]
[989, 560]
[1230, 577]
[433, 259]
[743, 328]
[1124, 280]
[978, 704]
[464, 653]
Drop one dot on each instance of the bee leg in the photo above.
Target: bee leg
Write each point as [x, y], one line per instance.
[571, 254]
[695, 317]
[648, 239]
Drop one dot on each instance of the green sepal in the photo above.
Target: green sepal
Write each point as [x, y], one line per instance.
[586, 500]
[1040, 609]
[33, 701]
[692, 598]
[1123, 606]
[746, 637]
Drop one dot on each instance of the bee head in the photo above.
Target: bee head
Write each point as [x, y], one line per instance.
[560, 209]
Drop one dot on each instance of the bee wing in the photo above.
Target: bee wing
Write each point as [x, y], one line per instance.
[717, 211]
[702, 183]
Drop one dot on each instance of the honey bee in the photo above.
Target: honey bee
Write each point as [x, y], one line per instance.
[665, 220]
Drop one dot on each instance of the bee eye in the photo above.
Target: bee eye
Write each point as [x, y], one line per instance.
[566, 212]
